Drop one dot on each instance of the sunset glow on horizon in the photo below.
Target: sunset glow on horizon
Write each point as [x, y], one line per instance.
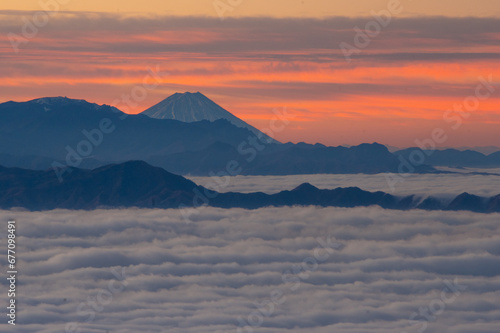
[396, 89]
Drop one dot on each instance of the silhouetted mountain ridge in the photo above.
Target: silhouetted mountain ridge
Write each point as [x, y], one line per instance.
[138, 184]
[454, 157]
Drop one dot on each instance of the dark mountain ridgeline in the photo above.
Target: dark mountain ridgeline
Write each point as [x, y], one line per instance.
[454, 157]
[122, 185]
[137, 184]
[284, 159]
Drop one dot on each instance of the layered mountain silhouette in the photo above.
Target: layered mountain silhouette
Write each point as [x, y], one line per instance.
[284, 159]
[124, 185]
[55, 127]
[137, 184]
[59, 132]
[454, 157]
[192, 107]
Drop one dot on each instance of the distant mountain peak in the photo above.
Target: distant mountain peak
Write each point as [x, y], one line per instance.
[191, 107]
[305, 187]
[57, 100]
[51, 103]
[188, 93]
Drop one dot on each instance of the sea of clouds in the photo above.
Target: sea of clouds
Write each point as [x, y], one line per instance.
[439, 185]
[298, 269]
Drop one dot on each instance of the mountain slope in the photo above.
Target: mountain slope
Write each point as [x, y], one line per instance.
[129, 184]
[192, 107]
[137, 184]
[54, 127]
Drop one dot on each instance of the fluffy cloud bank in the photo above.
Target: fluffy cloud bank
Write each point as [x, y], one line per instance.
[148, 271]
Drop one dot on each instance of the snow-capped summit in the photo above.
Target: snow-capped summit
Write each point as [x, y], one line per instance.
[57, 100]
[191, 107]
[56, 103]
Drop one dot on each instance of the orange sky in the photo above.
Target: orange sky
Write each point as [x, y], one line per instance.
[274, 8]
[394, 91]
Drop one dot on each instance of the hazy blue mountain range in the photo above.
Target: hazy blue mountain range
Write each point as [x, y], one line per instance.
[137, 184]
[45, 127]
[285, 159]
[59, 131]
[454, 157]
[486, 150]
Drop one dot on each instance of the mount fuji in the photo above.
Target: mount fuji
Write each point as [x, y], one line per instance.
[192, 107]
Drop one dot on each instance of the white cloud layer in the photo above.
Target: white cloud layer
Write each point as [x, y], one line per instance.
[208, 275]
[440, 185]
